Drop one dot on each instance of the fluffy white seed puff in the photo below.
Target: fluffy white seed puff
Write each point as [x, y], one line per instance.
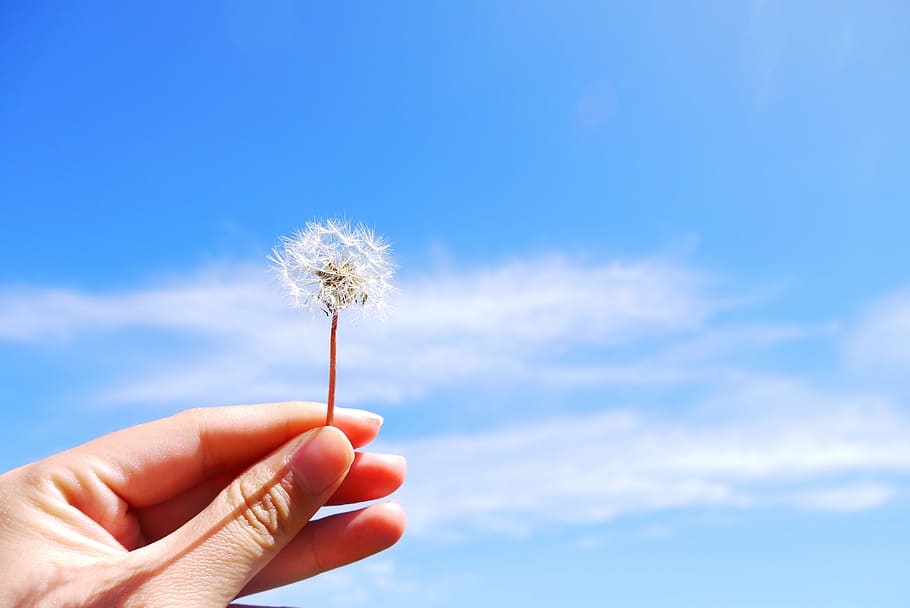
[332, 265]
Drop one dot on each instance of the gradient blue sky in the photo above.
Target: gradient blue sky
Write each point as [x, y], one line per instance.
[653, 334]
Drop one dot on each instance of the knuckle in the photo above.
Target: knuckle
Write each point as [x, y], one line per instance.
[262, 511]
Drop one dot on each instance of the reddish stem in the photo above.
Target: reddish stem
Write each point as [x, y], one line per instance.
[330, 413]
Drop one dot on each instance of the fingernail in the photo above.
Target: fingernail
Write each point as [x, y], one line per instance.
[322, 458]
[394, 460]
[366, 415]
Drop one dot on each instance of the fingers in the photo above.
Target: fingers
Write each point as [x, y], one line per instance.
[371, 476]
[332, 542]
[153, 462]
[219, 551]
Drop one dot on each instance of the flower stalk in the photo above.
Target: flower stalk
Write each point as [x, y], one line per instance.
[330, 267]
[330, 403]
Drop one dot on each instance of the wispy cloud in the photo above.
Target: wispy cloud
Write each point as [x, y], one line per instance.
[850, 497]
[359, 584]
[771, 436]
[880, 341]
[513, 322]
[742, 438]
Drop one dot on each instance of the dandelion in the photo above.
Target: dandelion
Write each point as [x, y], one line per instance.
[330, 267]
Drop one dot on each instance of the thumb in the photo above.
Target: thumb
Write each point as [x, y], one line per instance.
[211, 558]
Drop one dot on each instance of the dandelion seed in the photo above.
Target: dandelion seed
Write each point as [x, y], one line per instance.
[330, 267]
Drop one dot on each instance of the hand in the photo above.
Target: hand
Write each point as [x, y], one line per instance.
[196, 509]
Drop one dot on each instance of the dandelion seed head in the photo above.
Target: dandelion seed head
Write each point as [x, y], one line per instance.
[330, 266]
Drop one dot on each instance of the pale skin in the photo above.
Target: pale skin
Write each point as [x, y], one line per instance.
[197, 509]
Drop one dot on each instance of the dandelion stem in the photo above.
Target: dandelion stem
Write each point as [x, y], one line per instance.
[330, 413]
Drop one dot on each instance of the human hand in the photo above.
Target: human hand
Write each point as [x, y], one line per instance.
[196, 509]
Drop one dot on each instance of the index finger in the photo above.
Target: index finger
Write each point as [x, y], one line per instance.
[151, 462]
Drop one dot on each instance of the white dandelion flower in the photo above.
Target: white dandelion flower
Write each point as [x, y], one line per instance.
[330, 267]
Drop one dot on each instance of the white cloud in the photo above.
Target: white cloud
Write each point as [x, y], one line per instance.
[514, 323]
[847, 498]
[355, 585]
[746, 439]
[880, 342]
[211, 303]
[595, 467]
[657, 532]
[590, 542]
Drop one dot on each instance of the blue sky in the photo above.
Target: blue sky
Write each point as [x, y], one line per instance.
[653, 330]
